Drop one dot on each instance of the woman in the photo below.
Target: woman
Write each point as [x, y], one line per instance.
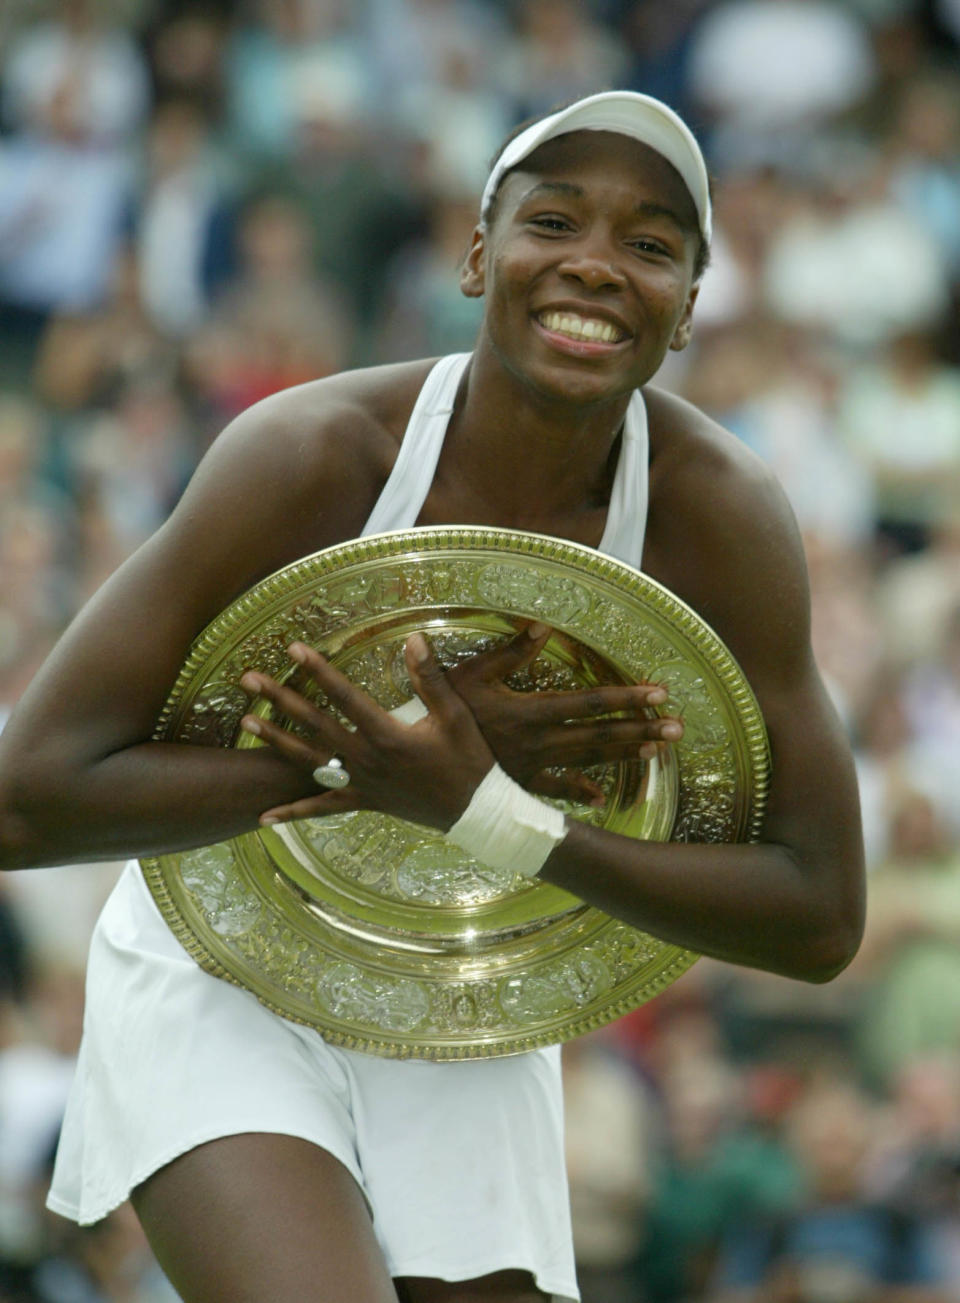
[264, 1164]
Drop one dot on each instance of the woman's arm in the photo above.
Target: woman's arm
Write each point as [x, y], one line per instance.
[79, 777]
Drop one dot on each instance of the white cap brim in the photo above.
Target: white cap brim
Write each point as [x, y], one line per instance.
[627, 113]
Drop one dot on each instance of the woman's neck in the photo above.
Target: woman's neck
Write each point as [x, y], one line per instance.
[531, 454]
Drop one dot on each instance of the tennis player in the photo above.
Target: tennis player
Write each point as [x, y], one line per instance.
[266, 1165]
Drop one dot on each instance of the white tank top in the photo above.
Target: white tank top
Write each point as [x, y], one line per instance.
[406, 489]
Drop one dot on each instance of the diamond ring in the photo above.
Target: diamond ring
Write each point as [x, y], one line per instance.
[332, 774]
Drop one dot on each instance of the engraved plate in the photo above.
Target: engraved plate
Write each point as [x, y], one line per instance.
[379, 933]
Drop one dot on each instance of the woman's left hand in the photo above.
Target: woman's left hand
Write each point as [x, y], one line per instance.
[425, 772]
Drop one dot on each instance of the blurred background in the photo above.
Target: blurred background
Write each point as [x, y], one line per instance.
[201, 203]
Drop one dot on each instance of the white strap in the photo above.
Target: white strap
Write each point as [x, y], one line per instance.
[408, 483]
[629, 499]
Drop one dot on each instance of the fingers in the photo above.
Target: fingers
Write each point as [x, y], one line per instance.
[345, 696]
[287, 701]
[506, 658]
[304, 754]
[588, 703]
[601, 741]
[570, 785]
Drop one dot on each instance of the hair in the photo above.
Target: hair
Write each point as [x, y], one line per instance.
[702, 257]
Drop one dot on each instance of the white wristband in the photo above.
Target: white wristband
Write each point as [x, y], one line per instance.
[507, 828]
[410, 711]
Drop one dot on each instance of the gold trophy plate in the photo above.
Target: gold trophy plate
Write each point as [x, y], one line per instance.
[379, 933]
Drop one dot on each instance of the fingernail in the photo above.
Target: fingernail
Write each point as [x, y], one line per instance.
[250, 725]
[250, 682]
[297, 652]
[656, 696]
[537, 630]
[269, 819]
[418, 647]
[671, 732]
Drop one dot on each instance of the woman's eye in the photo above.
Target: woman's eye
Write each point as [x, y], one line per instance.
[650, 246]
[551, 223]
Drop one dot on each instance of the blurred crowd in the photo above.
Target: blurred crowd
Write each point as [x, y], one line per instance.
[203, 202]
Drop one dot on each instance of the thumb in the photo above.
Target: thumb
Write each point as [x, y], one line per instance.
[508, 657]
[570, 785]
[428, 679]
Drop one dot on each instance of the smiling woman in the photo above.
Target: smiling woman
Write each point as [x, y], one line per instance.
[266, 1165]
[618, 224]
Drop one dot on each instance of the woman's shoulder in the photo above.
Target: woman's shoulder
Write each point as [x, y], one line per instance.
[683, 435]
[370, 405]
[695, 462]
[301, 469]
[716, 509]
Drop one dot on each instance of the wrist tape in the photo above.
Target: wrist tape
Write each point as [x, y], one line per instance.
[507, 828]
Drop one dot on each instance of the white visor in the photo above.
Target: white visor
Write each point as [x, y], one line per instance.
[628, 114]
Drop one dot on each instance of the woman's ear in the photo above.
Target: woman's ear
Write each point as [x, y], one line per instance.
[471, 272]
[681, 336]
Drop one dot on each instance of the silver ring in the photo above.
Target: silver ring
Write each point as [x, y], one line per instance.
[332, 774]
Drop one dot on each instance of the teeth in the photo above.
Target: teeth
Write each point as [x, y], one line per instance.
[576, 327]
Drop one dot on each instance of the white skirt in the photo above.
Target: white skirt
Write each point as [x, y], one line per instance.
[461, 1163]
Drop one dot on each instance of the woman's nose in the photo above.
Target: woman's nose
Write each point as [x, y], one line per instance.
[593, 267]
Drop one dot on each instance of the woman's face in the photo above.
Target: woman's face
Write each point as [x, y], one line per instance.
[586, 267]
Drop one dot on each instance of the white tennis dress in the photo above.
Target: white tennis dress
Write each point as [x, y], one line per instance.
[461, 1163]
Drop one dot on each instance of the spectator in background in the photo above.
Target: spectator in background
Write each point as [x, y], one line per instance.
[850, 263]
[846, 631]
[916, 1158]
[610, 1123]
[770, 73]
[836, 1245]
[423, 314]
[100, 64]
[785, 411]
[187, 56]
[713, 1172]
[560, 53]
[291, 47]
[355, 189]
[182, 219]
[924, 161]
[917, 594]
[412, 44]
[85, 359]
[659, 38]
[933, 704]
[75, 95]
[910, 959]
[899, 414]
[276, 324]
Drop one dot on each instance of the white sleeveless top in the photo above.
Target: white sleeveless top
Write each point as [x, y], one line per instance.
[406, 489]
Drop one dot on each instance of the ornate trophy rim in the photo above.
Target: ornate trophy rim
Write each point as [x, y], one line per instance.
[395, 967]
